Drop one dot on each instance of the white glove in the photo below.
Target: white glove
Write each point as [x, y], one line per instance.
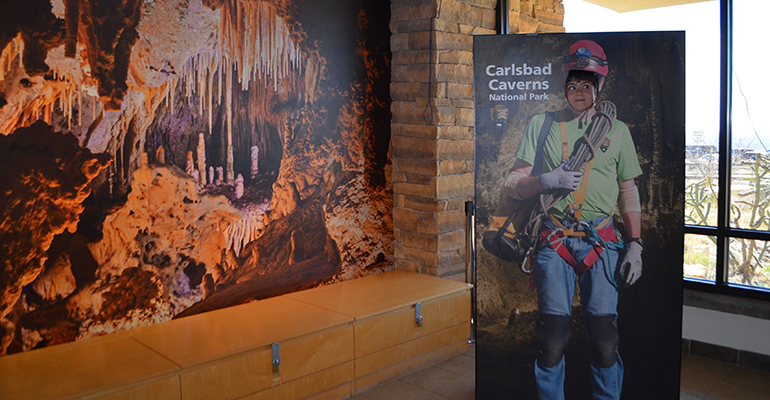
[631, 267]
[561, 179]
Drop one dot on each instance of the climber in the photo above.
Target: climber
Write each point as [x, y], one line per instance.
[578, 240]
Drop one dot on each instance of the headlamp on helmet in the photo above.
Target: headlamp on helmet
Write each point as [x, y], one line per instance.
[586, 55]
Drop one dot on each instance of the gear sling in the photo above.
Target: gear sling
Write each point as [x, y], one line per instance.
[603, 235]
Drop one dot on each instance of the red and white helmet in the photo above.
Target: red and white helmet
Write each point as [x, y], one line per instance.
[586, 55]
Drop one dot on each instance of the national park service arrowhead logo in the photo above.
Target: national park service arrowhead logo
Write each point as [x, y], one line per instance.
[605, 145]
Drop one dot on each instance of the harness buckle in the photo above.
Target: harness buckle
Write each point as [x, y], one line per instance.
[573, 212]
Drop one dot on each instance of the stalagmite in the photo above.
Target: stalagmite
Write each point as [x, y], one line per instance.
[160, 155]
[293, 243]
[202, 158]
[190, 166]
[254, 161]
[239, 186]
[220, 176]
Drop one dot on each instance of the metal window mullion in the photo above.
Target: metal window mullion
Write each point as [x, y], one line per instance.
[748, 234]
[725, 143]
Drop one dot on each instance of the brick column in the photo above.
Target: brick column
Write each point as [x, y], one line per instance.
[432, 127]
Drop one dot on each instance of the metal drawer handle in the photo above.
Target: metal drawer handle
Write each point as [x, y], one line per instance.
[418, 314]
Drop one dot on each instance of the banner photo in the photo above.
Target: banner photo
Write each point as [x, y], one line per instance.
[579, 215]
[170, 158]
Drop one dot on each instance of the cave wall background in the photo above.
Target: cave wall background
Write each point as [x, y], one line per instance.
[132, 192]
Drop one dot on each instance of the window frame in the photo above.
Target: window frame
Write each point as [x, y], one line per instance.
[723, 232]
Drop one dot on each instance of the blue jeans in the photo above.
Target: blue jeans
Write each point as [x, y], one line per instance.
[555, 281]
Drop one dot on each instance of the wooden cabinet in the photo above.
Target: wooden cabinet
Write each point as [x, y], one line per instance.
[333, 341]
[389, 341]
[227, 354]
[98, 367]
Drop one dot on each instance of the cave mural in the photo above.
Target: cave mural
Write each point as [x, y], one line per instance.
[167, 158]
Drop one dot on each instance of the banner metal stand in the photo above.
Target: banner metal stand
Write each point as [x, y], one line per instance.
[470, 262]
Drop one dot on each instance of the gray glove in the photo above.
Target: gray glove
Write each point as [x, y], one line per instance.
[631, 267]
[561, 179]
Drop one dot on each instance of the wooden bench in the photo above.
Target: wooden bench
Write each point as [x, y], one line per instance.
[326, 343]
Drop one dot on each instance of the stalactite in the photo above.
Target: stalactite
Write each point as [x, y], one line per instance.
[229, 107]
[111, 176]
[247, 229]
[69, 109]
[200, 82]
[165, 93]
[80, 108]
[219, 85]
[255, 44]
[12, 50]
[173, 91]
[210, 94]
[61, 88]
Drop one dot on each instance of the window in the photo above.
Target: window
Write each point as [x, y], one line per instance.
[727, 159]
[741, 230]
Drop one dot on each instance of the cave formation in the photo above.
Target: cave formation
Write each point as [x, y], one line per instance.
[176, 109]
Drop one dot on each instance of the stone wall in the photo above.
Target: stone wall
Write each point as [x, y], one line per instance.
[536, 16]
[432, 126]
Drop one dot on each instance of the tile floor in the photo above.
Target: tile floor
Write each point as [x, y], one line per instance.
[702, 379]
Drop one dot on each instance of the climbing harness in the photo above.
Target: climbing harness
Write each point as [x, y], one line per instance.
[603, 237]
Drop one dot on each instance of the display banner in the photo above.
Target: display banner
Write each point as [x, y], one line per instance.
[595, 310]
[169, 158]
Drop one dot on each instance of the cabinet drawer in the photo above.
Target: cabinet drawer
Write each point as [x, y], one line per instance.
[166, 389]
[402, 352]
[380, 332]
[252, 372]
[337, 378]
